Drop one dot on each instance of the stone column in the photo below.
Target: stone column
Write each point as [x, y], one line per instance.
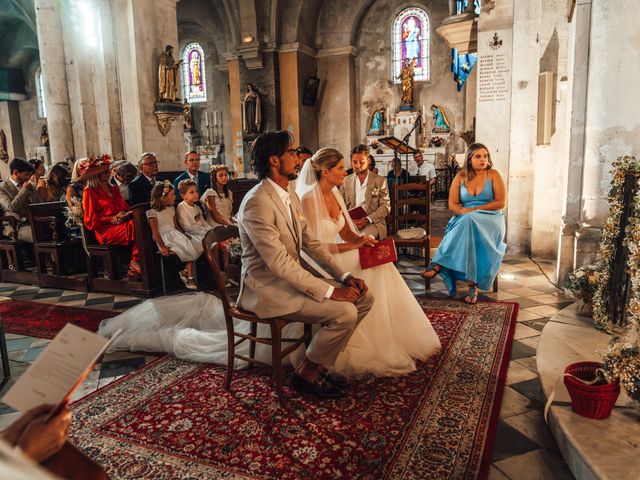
[142, 30]
[53, 62]
[570, 226]
[494, 117]
[235, 104]
[337, 115]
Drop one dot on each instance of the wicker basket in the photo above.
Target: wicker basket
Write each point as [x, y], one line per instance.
[591, 401]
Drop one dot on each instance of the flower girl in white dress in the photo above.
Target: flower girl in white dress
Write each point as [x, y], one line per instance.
[164, 228]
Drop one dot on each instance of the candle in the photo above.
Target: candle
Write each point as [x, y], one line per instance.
[206, 118]
[215, 118]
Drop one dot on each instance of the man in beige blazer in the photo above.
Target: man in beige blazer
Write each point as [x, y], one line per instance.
[16, 193]
[274, 283]
[368, 190]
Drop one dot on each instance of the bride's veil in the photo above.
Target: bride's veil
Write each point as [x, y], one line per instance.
[313, 205]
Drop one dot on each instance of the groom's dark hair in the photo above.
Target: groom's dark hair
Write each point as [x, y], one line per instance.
[267, 144]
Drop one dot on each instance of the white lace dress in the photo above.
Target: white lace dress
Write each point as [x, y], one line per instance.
[396, 331]
[187, 249]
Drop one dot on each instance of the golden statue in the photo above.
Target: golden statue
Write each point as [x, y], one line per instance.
[44, 136]
[406, 74]
[168, 76]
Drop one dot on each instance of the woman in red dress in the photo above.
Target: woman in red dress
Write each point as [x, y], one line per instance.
[106, 213]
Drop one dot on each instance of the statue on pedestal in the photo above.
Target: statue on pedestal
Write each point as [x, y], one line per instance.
[4, 155]
[376, 122]
[406, 74]
[44, 136]
[186, 112]
[168, 76]
[251, 111]
[441, 121]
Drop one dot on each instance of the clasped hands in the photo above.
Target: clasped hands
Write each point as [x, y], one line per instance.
[120, 217]
[355, 288]
[361, 222]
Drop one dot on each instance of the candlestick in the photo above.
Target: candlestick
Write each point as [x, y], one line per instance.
[215, 118]
[206, 118]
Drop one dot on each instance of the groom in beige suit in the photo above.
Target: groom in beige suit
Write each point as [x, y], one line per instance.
[273, 232]
[368, 190]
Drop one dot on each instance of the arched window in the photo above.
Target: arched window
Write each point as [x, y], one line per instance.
[194, 83]
[39, 81]
[410, 41]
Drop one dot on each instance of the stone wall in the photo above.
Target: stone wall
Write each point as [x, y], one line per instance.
[31, 122]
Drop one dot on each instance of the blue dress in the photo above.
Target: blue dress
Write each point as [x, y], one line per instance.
[473, 243]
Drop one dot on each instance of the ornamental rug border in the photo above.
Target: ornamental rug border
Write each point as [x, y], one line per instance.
[438, 422]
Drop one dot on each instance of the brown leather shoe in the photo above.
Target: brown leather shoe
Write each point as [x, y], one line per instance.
[319, 387]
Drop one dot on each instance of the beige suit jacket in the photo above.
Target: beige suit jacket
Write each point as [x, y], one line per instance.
[377, 202]
[274, 282]
[14, 200]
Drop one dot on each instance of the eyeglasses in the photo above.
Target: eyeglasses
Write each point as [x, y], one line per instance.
[151, 164]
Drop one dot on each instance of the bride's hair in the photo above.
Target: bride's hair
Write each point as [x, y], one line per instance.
[325, 158]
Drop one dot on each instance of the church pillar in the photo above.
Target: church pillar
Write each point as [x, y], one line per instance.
[297, 63]
[337, 115]
[571, 230]
[142, 30]
[53, 62]
[235, 103]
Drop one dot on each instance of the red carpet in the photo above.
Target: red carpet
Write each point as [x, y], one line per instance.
[173, 419]
[43, 320]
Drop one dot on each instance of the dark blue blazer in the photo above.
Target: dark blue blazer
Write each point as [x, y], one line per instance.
[140, 190]
[204, 182]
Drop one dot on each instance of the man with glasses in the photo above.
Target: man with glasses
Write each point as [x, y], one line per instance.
[140, 187]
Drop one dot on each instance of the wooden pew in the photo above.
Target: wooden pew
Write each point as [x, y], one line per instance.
[14, 256]
[52, 241]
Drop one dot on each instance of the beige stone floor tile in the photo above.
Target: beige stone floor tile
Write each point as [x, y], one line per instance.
[524, 292]
[533, 426]
[522, 331]
[518, 373]
[524, 315]
[543, 310]
[514, 403]
[528, 362]
[548, 298]
[495, 474]
[535, 465]
[501, 296]
[531, 342]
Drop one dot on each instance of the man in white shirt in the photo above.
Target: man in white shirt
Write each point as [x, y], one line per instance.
[423, 169]
[368, 190]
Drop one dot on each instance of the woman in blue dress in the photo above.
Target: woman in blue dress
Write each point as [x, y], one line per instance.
[473, 243]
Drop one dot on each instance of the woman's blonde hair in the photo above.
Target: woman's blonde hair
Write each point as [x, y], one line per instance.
[325, 158]
[468, 172]
[74, 169]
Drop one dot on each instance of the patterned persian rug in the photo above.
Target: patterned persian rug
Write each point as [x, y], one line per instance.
[45, 320]
[174, 420]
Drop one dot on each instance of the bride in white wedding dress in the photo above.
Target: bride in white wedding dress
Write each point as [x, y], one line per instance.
[386, 342]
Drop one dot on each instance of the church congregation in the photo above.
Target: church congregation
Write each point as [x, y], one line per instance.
[317, 238]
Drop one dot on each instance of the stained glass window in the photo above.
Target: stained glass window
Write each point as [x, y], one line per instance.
[410, 40]
[39, 81]
[193, 76]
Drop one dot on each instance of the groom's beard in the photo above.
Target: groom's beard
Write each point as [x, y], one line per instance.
[290, 175]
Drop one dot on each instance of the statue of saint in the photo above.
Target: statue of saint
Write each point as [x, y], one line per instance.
[44, 136]
[168, 76]
[4, 155]
[406, 74]
[375, 122]
[186, 112]
[441, 121]
[251, 111]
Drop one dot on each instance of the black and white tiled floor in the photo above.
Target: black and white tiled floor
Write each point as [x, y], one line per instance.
[524, 448]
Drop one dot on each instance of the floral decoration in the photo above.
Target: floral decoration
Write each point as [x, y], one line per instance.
[584, 279]
[622, 358]
[74, 214]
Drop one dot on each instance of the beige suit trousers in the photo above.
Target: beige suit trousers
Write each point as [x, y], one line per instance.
[338, 319]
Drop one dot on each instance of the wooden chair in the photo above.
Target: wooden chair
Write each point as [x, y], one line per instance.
[232, 311]
[407, 198]
[51, 241]
[102, 264]
[13, 256]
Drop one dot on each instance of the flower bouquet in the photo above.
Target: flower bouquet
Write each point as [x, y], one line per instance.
[581, 284]
[622, 362]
